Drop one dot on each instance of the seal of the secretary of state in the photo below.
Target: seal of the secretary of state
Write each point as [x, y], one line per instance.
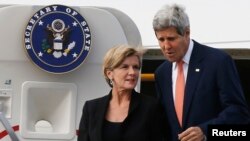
[57, 39]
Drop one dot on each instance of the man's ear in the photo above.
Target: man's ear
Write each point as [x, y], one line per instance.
[187, 31]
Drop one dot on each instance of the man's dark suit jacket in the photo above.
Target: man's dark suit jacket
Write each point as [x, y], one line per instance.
[213, 93]
[143, 122]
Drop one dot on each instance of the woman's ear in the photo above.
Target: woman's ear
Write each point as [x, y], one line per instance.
[110, 74]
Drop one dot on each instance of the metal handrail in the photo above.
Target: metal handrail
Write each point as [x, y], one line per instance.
[147, 77]
[8, 127]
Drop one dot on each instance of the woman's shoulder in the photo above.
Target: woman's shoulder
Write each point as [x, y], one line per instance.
[146, 99]
[97, 101]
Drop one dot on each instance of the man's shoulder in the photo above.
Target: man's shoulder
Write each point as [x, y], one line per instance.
[163, 66]
[210, 50]
[208, 47]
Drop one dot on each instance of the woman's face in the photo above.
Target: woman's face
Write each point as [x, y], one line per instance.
[125, 76]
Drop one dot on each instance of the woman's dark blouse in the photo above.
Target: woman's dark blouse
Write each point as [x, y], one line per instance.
[111, 131]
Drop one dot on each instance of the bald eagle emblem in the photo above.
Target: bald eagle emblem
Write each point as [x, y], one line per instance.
[57, 36]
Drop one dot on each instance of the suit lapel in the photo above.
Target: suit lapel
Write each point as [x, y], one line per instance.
[167, 91]
[194, 71]
[134, 102]
[169, 98]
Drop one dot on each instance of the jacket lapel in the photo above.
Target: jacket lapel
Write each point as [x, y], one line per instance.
[167, 93]
[194, 71]
[134, 103]
[169, 98]
[100, 116]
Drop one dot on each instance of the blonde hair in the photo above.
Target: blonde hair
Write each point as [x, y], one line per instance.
[116, 55]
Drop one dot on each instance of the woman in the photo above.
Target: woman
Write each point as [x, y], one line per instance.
[123, 114]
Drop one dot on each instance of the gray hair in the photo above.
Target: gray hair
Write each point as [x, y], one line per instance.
[171, 16]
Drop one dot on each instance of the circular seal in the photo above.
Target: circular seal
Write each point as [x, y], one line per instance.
[57, 39]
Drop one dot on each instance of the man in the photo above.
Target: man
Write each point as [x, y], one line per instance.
[197, 85]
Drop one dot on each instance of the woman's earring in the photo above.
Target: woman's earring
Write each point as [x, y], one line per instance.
[110, 82]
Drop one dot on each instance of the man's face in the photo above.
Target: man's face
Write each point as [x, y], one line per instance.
[173, 45]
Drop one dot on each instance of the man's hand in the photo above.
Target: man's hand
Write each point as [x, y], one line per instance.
[192, 134]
